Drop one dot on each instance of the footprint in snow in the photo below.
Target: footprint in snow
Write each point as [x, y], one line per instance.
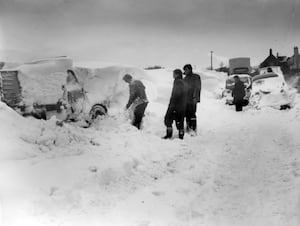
[158, 193]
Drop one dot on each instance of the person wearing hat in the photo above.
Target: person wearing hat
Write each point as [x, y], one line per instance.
[177, 104]
[137, 99]
[193, 82]
[238, 93]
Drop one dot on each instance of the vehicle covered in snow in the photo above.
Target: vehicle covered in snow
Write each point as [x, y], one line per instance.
[270, 89]
[31, 88]
[98, 90]
[42, 86]
[11, 94]
[239, 65]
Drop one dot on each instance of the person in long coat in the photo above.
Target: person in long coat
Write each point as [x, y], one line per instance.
[193, 82]
[238, 93]
[177, 106]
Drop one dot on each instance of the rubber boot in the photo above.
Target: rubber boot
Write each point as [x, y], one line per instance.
[193, 127]
[169, 133]
[188, 126]
[181, 134]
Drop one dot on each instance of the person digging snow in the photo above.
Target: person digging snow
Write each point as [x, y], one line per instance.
[177, 105]
[193, 82]
[137, 100]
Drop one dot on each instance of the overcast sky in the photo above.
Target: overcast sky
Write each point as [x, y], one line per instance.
[147, 32]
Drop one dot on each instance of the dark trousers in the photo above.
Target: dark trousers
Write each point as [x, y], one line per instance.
[239, 105]
[190, 116]
[139, 114]
[174, 116]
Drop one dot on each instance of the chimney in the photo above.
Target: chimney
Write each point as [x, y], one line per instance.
[296, 51]
[277, 55]
[271, 52]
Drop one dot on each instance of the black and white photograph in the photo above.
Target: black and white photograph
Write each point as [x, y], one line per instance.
[149, 113]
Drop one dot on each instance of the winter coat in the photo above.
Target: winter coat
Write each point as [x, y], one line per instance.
[178, 97]
[137, 94]
[193, 82]
[238, 91]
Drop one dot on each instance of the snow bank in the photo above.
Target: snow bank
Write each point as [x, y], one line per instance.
[41, 80]
[242, 168]
[12, 126]
[212, 83]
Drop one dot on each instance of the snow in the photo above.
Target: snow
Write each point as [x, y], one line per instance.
[241, 169]
[41, 80]
[106, 85]
[273, 91]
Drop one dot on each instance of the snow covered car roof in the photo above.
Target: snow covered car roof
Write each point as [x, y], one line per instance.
[263, 76]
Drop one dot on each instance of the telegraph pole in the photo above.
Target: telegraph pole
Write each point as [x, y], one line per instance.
[211, 60]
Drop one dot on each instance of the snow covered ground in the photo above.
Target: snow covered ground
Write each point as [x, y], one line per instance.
[242, 168]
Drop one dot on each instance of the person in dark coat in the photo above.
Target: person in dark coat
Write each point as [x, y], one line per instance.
[137, 99]
[193, 82]
[238, 93]
[177, 105]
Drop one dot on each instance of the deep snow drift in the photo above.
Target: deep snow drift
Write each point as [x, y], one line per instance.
[242, 168]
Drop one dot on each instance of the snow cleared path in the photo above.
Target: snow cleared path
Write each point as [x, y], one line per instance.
[241, 169]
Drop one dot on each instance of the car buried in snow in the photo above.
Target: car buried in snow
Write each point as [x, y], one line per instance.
[98, 90]
[269, 89]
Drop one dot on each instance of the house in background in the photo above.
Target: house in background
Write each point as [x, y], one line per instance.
[271, 60]
[294, 62]
[289, 65]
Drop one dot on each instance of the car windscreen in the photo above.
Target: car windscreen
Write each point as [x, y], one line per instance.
[230, 82]
[241, 70]
[244, 80]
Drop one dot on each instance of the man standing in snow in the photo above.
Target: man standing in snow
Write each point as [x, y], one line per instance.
[238, 93]
[193, 82]
[177, 105]
[137, 99]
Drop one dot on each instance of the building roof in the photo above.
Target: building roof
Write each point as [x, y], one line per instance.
[271, 60]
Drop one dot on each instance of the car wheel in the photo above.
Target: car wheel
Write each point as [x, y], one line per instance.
[285, 107]
[97, 110]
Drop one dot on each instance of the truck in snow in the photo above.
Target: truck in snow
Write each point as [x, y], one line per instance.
[240, 65]
[242, 68]
[40, 89]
